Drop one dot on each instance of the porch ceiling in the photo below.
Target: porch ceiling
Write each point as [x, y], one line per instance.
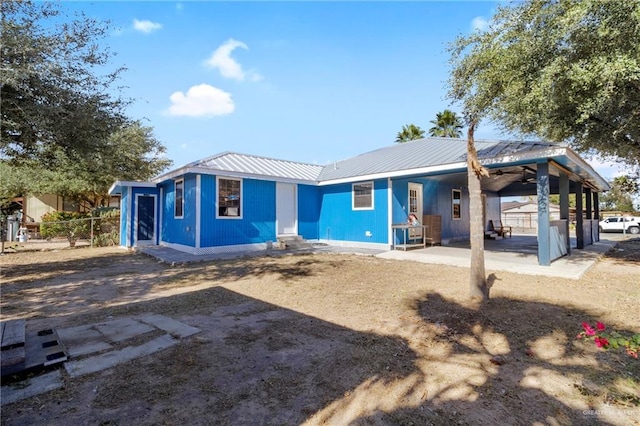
[510, 181]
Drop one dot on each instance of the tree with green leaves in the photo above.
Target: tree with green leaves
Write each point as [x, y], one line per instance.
[64, 129]
[446, 125]
[556, 70]
[621, 196]
[410, 132]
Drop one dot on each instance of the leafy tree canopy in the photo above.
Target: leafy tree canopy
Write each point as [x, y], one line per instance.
[64, 128]
[410, 132]
[447, 124]
[621, 196]
[557, 70]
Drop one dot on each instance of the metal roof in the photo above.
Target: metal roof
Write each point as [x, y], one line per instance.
[234, 163]
[420, 154]
[421, 157]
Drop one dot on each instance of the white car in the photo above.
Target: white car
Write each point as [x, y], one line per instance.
[630, 224]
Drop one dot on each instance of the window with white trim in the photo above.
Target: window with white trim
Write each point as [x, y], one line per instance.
[456, 197]
[362, 196]
[178, 192]
[229, 197]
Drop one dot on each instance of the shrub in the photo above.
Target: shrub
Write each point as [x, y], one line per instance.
[70, 225]
[106, 228]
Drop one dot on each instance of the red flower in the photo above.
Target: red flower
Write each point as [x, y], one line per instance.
[600, 326]
[587, 328]
[601, 342]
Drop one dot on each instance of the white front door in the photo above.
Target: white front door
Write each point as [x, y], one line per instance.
[286, 222]
[415, 200]
[415, 206]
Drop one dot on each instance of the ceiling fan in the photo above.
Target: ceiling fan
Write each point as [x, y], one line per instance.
[527, 179]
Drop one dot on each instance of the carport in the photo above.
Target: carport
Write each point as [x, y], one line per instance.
[541, 171]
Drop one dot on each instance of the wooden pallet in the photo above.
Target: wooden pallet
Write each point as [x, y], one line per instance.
[12, 340]
[23, 351]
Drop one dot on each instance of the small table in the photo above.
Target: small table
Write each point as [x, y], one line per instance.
[406, 239]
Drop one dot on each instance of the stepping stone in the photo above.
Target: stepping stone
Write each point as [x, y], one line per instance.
[31, 387]
[111, 359]
[122, 329]
[83, 340]
[171, 326]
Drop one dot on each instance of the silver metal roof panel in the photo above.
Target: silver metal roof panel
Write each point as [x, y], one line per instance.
[258, 166]
[420, 154]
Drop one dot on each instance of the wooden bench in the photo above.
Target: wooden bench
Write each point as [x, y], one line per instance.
[498, 228]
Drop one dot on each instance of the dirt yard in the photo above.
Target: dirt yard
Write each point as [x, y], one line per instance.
[335, 340]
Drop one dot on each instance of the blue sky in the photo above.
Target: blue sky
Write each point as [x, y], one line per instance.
[313, 82]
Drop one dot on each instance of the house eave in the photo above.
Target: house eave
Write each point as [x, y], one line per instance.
[118, 186]
[218, 172]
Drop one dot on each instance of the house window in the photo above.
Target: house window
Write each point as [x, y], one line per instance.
[229, 196]
[456, 196]
[362, 196]
[179, 198]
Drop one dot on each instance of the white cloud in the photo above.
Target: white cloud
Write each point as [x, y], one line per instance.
[221, 60]
[479, 24]
[146, 26]
[201, 101]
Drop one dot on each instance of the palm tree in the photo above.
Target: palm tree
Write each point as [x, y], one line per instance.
[447, 125]
[410, 132]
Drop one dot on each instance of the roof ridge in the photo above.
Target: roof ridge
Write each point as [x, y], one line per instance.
[222, 154]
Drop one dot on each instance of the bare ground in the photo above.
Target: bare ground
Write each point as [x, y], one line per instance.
[334, 339]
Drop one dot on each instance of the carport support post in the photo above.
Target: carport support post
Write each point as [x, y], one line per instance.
[544, 245]
[588, 214]
[564, 206]
[596, 214]
[579, 225]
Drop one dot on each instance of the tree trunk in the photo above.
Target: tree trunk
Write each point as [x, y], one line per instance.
[479, 289]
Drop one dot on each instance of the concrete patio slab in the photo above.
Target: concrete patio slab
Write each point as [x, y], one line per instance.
[113, 358]
[520, 262]
[31, 387]
[517, 254]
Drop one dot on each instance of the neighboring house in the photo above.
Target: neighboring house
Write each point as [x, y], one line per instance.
[31, 208]
[236, 202]
[524, 215]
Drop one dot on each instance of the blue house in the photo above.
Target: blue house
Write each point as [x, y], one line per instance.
[235, 202]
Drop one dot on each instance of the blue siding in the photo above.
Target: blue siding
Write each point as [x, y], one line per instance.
[258, 222]
[436, 200]
[338, 221]
[308, 211]
[179, 230]
[124, 219]
[127, 218]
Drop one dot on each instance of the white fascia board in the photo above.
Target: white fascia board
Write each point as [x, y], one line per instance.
[130, 183]
[525, 156]
[397, 173]
[600, 182]
[216, 172]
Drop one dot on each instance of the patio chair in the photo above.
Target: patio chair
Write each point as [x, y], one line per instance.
[498, 228]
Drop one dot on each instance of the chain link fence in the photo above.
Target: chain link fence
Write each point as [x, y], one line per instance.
[97, 231]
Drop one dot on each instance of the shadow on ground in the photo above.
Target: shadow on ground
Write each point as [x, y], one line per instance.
[441, 362]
